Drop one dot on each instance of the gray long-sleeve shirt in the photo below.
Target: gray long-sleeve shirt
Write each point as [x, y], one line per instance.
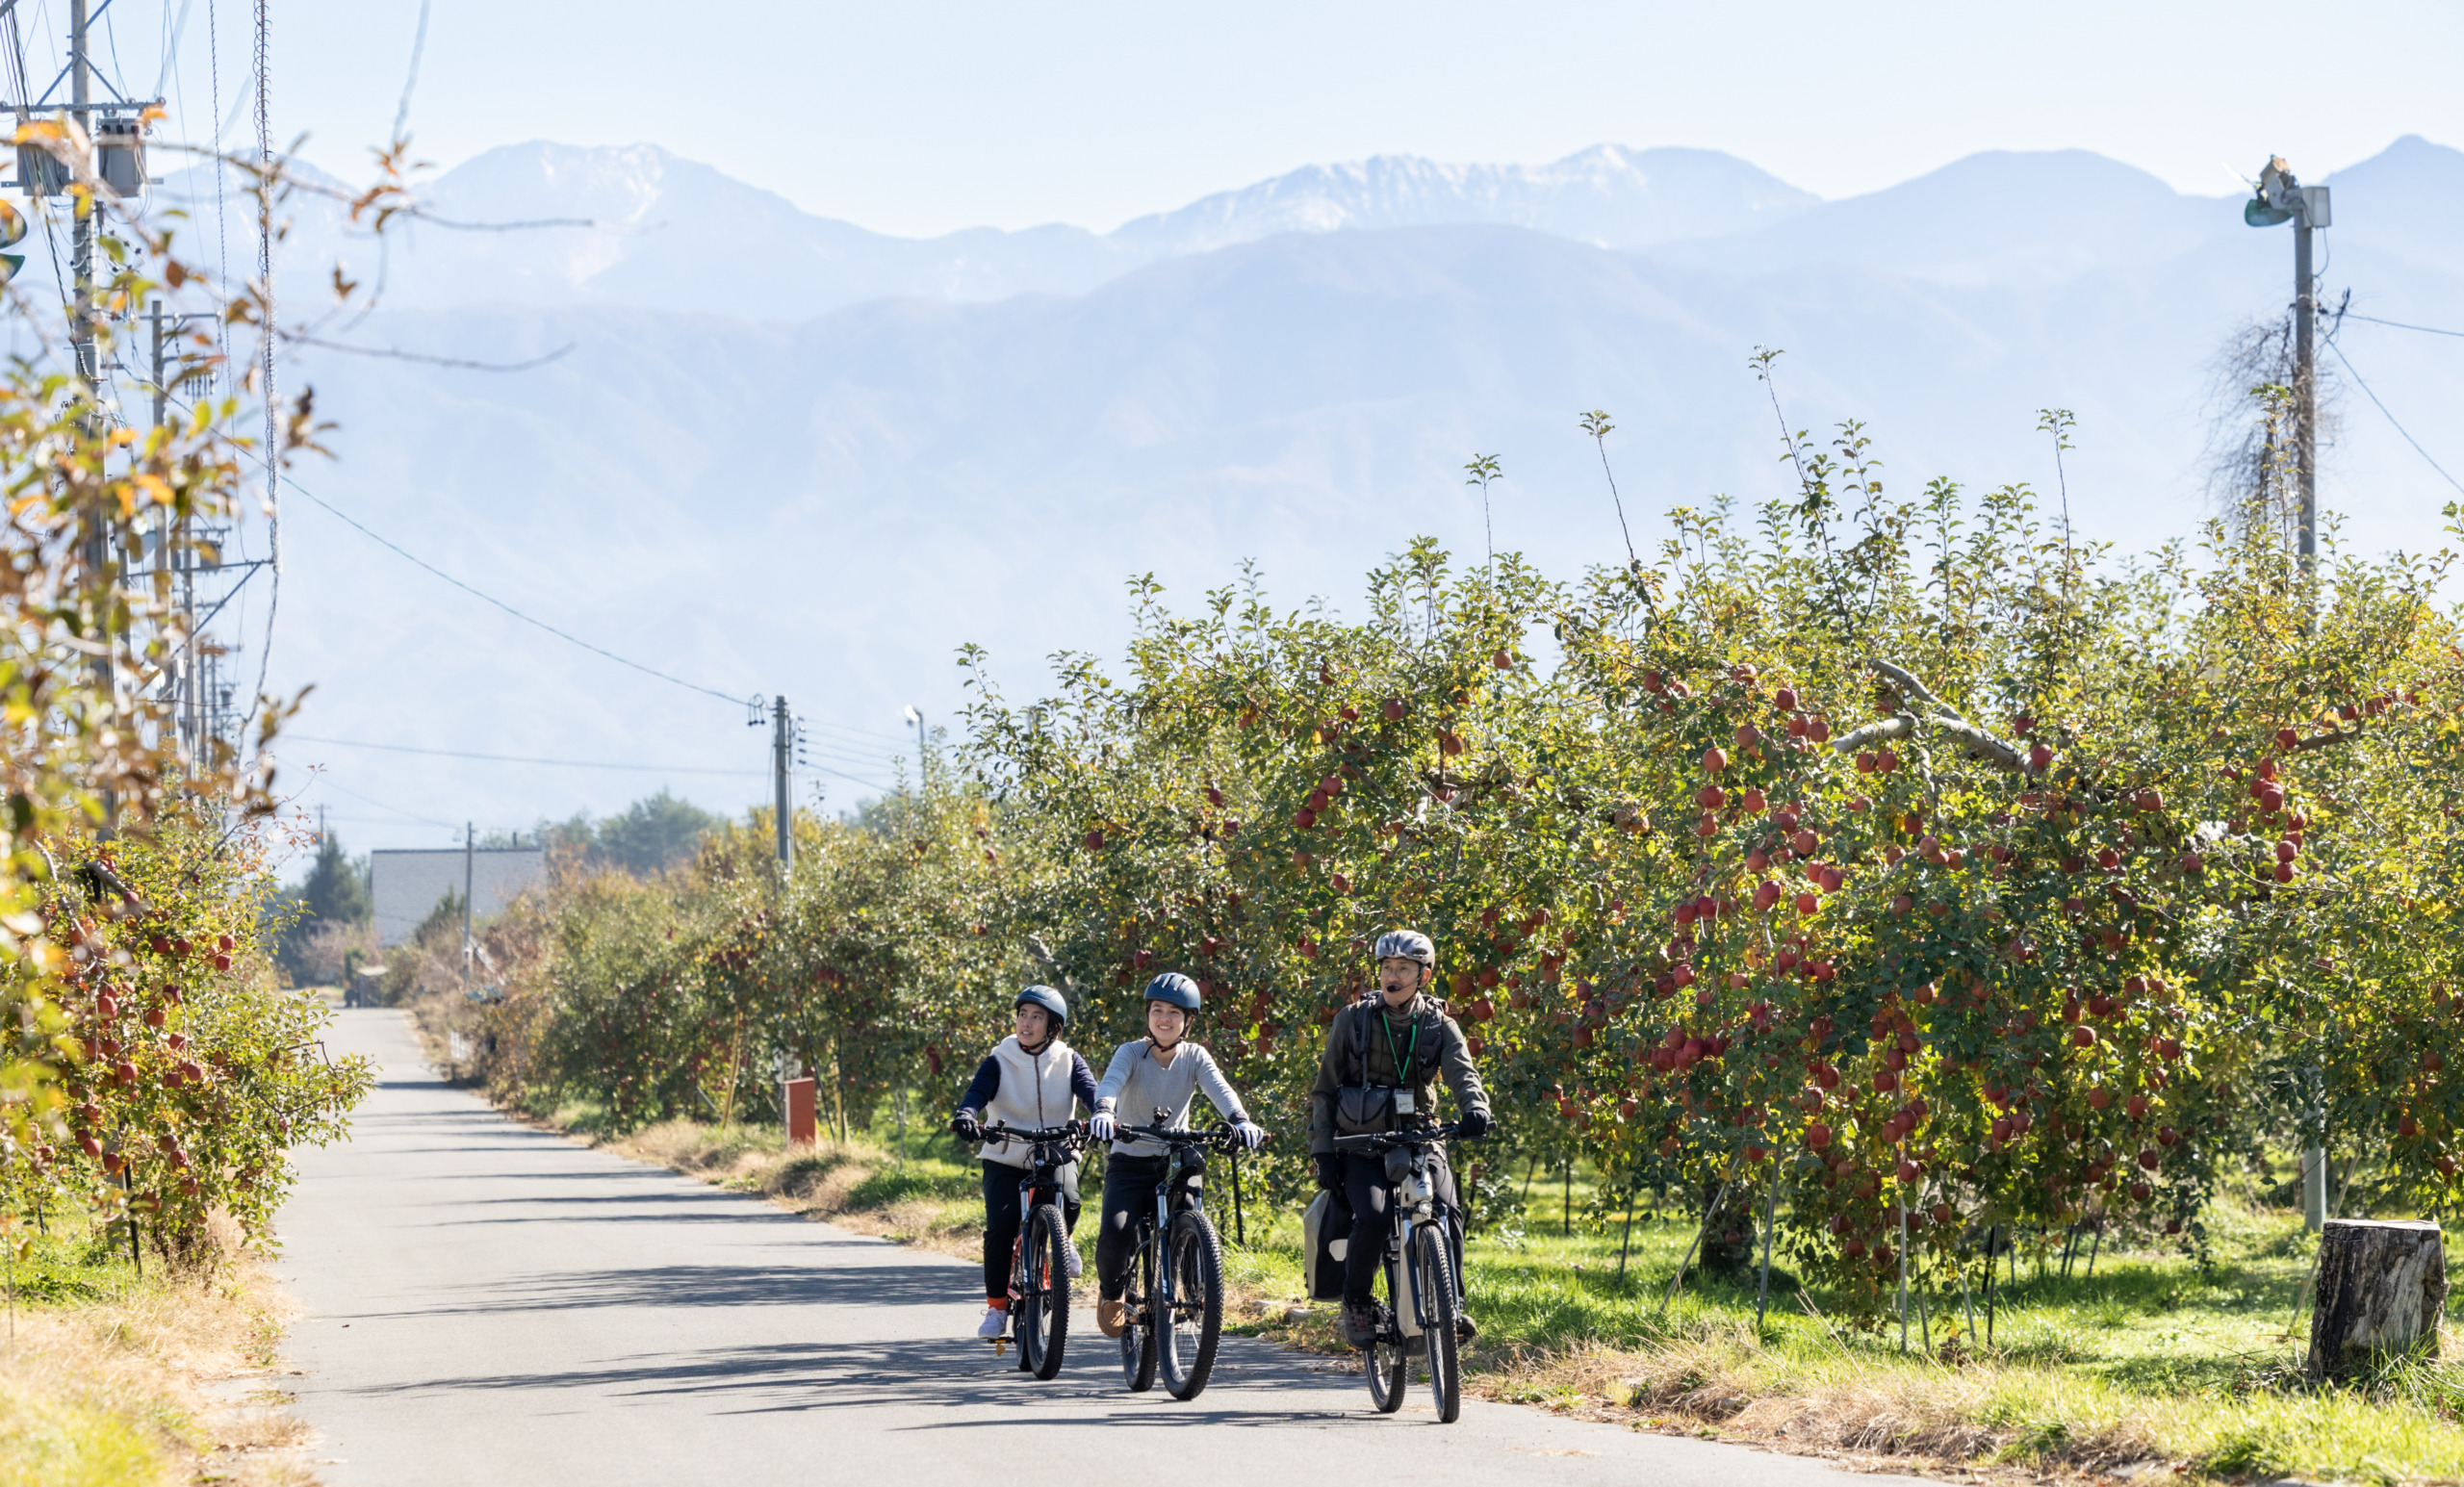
[1135, 1086]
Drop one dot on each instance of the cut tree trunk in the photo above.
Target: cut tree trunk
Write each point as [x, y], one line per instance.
[2382, 1288]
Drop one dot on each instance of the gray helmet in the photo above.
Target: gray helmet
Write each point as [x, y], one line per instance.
[1049, 1000]
[1410, 944]
[1175, 989]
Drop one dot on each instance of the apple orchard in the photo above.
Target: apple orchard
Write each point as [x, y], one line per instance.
[1899, 859]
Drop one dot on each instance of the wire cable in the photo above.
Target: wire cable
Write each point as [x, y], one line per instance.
[2427, 330]
[523, 759]
[564, 635]
[327, 782]
[2390, 418]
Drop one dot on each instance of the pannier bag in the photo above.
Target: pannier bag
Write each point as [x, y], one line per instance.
[1326, 1234]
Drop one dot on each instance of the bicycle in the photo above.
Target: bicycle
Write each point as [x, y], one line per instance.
[1424, 1306]
[1043, 1262]
[1174, 1294]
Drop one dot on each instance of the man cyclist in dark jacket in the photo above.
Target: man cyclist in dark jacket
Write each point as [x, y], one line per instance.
[1398, 1040]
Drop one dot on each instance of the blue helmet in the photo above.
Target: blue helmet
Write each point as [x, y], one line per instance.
[1175, 989]
[1049, 1000]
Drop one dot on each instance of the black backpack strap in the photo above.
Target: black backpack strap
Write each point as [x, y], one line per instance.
[1360, 1044]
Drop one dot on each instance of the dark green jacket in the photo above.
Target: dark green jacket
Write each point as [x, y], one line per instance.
[1364, 1026]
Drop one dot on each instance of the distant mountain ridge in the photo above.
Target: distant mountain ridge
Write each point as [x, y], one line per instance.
[677, 233]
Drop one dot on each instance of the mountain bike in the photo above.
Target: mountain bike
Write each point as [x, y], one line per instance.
[1044, 1262]
[1423, 1270]
[1174, 1294]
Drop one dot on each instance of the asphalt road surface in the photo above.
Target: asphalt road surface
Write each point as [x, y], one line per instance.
[483, 1303]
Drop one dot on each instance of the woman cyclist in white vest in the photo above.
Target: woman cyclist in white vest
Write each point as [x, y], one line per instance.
[1032, 1080]
[1157, 1072]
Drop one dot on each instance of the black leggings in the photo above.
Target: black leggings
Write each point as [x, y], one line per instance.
[1129, 1194]
[1002, 1218]
[1366, 1189]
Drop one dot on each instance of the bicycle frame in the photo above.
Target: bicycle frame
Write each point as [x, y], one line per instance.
[1048, 1151]
[1413, 1181]
[1179, 1144]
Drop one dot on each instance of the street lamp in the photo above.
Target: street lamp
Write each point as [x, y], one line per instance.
[915, 716]
[2280, 199]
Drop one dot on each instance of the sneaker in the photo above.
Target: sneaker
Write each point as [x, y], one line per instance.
[1111, 1317]
[1466, 1329]
[1071, 1262]
[995, 1322]
[1360, 1323]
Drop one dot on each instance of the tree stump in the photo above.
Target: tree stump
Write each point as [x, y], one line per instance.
[2382, 1288]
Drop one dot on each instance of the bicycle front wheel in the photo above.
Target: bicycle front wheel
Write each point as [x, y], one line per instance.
[1189, 1310]
[1434, 1278]
[1138, 1331]
[1043, 1294]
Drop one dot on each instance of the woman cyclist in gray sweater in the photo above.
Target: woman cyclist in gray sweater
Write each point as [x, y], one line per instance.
[1159, 1072]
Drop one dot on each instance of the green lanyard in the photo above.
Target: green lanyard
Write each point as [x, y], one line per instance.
[1402, 1061]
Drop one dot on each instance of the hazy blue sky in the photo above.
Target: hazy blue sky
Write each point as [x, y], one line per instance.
[926, 115]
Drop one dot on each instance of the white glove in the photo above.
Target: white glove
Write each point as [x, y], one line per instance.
[1251, 1133]
[1100, 1127]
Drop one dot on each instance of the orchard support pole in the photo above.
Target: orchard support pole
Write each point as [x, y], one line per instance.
[1762, 1285]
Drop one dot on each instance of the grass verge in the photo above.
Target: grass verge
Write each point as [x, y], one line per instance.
[113, 1378]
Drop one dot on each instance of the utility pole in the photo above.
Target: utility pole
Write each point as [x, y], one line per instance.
[915, 716]
[470, 859]
[2280, 197]
[783, 759]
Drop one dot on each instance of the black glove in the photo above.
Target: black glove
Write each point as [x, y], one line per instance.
[1473, 1125]
[963, 1126]
[1330, 1171]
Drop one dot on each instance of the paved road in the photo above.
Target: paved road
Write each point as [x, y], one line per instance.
[484, 1304]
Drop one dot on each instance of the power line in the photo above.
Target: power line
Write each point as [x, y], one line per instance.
[2390, 418]
[327, 782]
[520, 759]
[2427, 330]
[568, 636]
[564, 635]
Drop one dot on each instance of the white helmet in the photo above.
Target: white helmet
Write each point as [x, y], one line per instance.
[1410, 944]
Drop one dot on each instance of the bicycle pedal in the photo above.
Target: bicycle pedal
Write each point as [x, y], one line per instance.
[1000, 1348]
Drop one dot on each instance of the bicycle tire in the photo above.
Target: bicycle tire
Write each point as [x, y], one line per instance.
[1434, 1278]
[1188, 1314]
[1386, 1357]
[1043, 1294]
[1138, 1333]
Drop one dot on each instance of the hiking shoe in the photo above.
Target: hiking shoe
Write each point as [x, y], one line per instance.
[995, 1322]
[1111, 1317]
[1360, 1323]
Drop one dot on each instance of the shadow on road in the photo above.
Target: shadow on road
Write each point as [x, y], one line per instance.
[845, 1283]
[939, 1373]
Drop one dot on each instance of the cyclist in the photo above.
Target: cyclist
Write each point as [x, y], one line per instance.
[1028, 1082]
[1161, 1071]
[1384, 1056]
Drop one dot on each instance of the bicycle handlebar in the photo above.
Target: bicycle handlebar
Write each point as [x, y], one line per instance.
[1221, 1136]
[1388, 1140]
[1074, 1131]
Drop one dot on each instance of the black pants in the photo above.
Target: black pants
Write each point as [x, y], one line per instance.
[1366, 1189]
[1129, 1194]
[1002, 1218]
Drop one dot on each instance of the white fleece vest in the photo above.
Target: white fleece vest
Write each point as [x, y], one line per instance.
[1033, 1093]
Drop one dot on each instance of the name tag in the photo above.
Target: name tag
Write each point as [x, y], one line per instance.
[1405, 1103]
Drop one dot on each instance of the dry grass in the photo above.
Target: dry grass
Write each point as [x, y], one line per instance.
[854, 1185]
[123, 1390]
